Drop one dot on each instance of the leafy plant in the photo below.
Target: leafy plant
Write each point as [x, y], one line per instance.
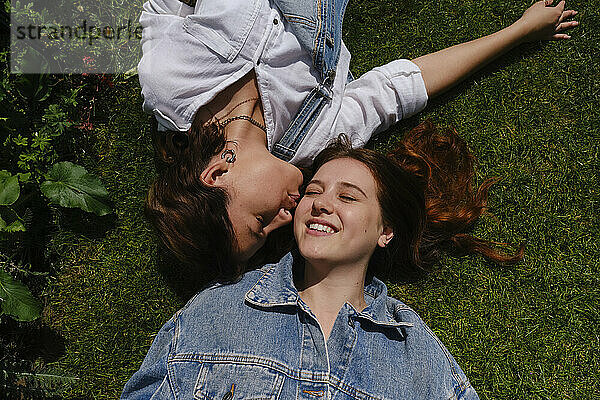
[70, 185]
[17, 300]
[35, 111]
[9, 193]
[46, 122]
[47, 382]
[33, 87]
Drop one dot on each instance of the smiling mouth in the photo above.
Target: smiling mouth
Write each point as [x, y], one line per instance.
[320, 229]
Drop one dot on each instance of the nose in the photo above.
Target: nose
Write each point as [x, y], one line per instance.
[322, 205]
[282, 218]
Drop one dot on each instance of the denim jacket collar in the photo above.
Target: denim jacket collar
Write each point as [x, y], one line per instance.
[275, 287]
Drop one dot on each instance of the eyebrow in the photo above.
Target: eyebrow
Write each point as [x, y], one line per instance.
[345, 184]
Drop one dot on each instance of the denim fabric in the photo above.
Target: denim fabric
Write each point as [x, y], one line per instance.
[256, 339]
[318, 27]
[287, 146]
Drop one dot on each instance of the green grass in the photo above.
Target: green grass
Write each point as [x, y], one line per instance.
[532, 118]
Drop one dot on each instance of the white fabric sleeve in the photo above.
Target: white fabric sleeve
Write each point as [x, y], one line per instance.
[173, 7]
[380, 98]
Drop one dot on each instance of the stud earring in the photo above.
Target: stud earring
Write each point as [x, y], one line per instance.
[231, 153]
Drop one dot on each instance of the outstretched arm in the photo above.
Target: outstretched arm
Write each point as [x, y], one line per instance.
[445, 68]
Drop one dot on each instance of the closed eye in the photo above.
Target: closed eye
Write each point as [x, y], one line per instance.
[347, 198]
[259, 231]
[261, 222]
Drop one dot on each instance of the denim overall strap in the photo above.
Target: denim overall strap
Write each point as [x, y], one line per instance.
[289, 143]
[318, 27]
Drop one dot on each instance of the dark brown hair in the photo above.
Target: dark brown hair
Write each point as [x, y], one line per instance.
[426, 194]
[190, 217]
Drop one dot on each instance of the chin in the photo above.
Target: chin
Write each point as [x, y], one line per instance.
[316, 253]
[319, 255]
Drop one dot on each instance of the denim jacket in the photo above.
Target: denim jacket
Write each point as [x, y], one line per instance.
[256, 339]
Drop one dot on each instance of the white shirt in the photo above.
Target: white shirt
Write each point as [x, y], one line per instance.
[192, 54]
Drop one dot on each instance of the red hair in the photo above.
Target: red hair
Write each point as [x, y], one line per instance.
[452, 204]
[426, 194]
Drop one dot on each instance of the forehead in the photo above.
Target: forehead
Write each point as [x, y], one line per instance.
[347, 170]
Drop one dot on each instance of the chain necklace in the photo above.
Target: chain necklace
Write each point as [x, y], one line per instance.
[245, 118]
[222, 123]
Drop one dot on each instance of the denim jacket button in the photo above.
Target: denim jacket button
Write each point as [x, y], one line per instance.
[331, 74]
[275, 21]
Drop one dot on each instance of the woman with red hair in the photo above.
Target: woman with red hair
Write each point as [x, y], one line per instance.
[244, 91]
[319, 324]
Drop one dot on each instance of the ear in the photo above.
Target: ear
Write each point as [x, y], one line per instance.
[213, 174]
[385, 237]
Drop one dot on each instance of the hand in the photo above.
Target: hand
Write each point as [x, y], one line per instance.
[543, 21]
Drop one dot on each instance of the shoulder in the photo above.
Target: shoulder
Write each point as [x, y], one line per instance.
[220, 295]
[216, 298]
[421, 337]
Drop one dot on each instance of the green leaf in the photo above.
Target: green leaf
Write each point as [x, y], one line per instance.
[24, 177]
[46, 382]
[15, 226]
[33, 87]
[17, 300]
[9, 188]
[20, 141]
[10, 221]
[72, 186]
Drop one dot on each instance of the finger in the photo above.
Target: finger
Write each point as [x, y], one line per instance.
[560, 36]
[566, 25]
[560, 6]
[567, 14]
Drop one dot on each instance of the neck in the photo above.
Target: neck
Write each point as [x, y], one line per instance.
[241, 129]
[240, 98]
[327, 287]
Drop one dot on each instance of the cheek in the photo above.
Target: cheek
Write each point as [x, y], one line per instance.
[259, 173]
[300, 214]
[358, 221]
[276, 173]
[365, 226]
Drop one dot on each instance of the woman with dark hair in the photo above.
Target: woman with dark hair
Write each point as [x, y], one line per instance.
[240, 88]
[319, 324]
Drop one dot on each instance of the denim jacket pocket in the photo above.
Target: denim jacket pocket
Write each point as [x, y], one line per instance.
[234, 378]
[223, 26]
